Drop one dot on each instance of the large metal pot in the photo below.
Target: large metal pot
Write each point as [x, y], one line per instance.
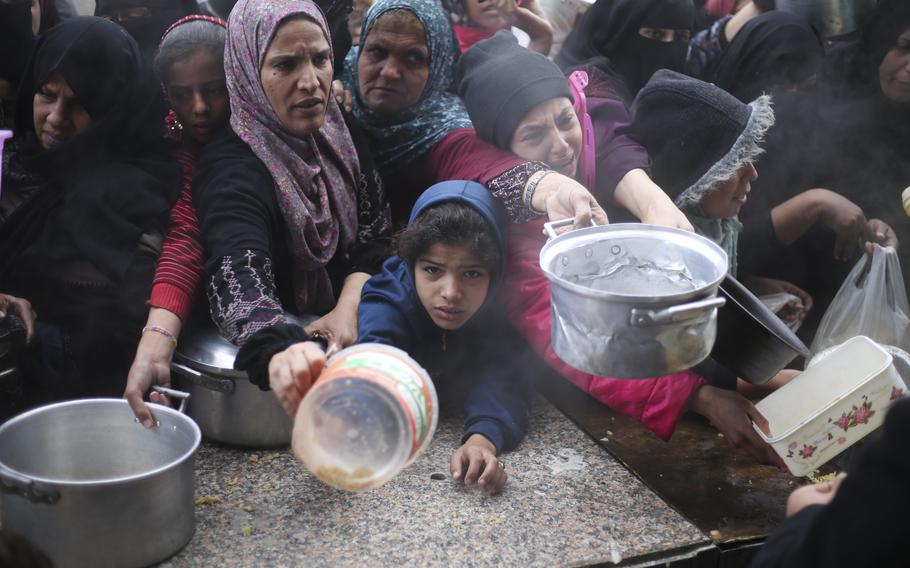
[657, 314]
[752, 341]
[832, 18]
[226, 405]
[89, 486]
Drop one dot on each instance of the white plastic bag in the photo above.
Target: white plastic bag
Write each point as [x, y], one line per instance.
[872, 301]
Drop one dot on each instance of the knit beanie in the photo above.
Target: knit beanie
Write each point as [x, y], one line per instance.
[500, 82]
[697, 134]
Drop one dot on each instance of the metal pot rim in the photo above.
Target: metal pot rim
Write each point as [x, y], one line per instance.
[215, 373]
[579, 234]
[185, 420]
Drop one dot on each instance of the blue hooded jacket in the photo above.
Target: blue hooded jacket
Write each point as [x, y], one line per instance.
[482, 358]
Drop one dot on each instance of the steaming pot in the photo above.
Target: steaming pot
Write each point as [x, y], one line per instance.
[831, 18]
[635, 328]
[226, 405]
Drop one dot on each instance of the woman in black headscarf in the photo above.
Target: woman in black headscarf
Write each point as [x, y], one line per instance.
[145, 20]
[848, 135]
[20, 23]
[632, 39]
[774, 51]
[82, 245]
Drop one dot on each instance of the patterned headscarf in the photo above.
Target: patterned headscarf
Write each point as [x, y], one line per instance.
[400, 138]
[314, 175]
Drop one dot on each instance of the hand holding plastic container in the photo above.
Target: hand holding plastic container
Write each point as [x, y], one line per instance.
[372, 411]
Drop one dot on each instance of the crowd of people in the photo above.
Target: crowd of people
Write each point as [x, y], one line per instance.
[170, 166]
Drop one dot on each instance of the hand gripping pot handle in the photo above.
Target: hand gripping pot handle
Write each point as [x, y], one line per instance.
[682, 312]
[183, 396]
[551, 226]
[16, 483]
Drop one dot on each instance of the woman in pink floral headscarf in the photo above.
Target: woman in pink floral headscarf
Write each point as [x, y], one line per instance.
[287, 218]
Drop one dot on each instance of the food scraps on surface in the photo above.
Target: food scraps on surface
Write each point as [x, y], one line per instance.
[254, 458]
[814, 476]
[247, 530]
[208, 500]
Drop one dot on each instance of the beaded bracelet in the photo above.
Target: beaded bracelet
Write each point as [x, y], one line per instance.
[163, 331]
[531, 187]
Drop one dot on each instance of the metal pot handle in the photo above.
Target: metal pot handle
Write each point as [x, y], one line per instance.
[550, 226]
[226, 386]
[18, 484]
[682, 312]
[183, 396]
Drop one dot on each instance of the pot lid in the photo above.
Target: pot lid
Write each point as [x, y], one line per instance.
[204, 349]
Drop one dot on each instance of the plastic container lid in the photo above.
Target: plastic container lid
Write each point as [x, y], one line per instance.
[821, 386]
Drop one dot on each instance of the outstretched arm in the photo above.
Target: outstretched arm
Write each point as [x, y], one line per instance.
[529, 18]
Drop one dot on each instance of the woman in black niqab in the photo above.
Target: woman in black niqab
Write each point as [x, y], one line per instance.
[772, 52]
[610, 30]
[81, 248]
[845, 135]
[145, 20]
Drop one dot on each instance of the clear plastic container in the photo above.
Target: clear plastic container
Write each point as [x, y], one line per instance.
[370, 414]
[4, 134]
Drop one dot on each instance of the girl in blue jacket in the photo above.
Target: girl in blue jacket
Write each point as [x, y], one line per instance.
[435, 300]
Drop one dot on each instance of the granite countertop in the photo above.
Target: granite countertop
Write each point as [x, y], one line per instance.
[567, 502]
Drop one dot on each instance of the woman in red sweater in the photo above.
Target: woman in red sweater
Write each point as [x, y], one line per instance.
[190, 65]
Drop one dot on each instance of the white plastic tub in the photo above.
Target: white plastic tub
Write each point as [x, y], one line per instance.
[831, 405]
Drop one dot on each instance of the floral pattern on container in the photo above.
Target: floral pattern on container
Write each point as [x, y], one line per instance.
[857, 415]
[840, 428]
[791, 448]
[808, 451]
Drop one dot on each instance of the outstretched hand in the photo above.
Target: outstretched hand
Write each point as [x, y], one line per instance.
[880, 233]
[293, 371]
[562, 197]
[732, 414]
[476, 461]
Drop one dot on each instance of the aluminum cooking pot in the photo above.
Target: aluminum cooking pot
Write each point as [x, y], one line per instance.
[631, 300]
[752, 341]
[88, 485]
[832, 18]
[226, 405]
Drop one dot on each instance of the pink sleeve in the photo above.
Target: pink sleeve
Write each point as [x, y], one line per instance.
[180, 265]
[657, 402]
[462, 155]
